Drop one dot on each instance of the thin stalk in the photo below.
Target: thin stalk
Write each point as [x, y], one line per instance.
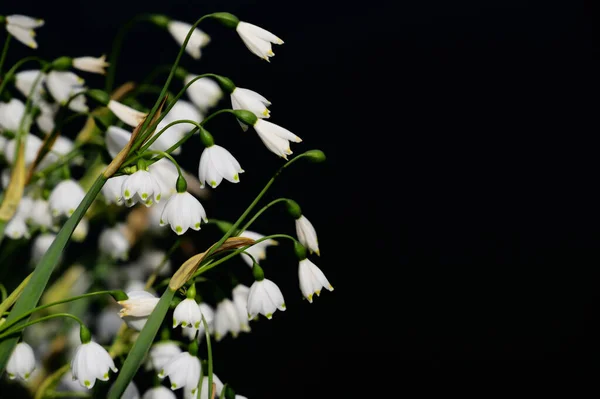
[260, 212]
[4, 51]
[52, 316]
[210, 361]
[14, 68]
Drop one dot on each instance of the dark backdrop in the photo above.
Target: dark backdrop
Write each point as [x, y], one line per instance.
[454, 211]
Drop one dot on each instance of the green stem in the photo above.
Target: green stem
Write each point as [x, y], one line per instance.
[170, 158]
[157, 135]
[260, 212]
[210, 361]
[3, 291]
[4, 52]
[65, 159]
[52, 316]
[66, 394]
[14, 68]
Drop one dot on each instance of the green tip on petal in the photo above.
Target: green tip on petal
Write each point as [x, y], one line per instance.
[197, 225]
[197, 325]
[178, 229]
[173, 386]
[283, 306]
[27, 375]
[144, 195]
[127, 193]
[86, 383]
[269, 316]
[236, 177]
[183, 324]
[106, 376]
[213, 184]
[158, 197]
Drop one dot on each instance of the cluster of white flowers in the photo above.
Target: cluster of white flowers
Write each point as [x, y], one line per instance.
[46, 175]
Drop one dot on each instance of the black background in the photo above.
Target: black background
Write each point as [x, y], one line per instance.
[455, 210]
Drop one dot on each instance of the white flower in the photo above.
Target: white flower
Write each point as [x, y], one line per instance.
[216, 164]
[81, 231]
[204, 389]
[16, 228]
[183, 211]
[64, 84]
[257, 39]
[91, 64]
[307, 235]
[312, 279]
[161, 354]
[226, 320]
[116, 138]
[131, 392]
[187, 313]
[24, 81]
[62, 146]
[22, 28]
[112, 190]
[240, 300]
[65, 198]
[137, 285]
[183, 371]
[182, 110]
[126, 114]
[3, 142]
[137, 308]
[40, 246]
[108, 324]
[90, 363]
[40, 215]
[21, 362]
[45, 120]
[112, 241]
[165, 173]
[142, 187]
[25, 206]
[250, 101]
[209, 314]
[265, 298]
[151, 259]
[154, 218]
[198, 39]
[258, 251]
[32, 145]
[68, 383]
[275, 138]
[11, 114]
[159, 392]
[205, 93]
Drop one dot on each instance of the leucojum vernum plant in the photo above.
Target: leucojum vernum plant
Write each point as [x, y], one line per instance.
[86, 325]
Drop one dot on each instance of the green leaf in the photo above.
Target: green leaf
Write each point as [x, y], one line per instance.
[39, 279]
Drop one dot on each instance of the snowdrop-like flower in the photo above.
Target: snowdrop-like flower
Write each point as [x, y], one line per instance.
[137, 308]
[16, 228]
[216, 164]
[257, 39]
[165, 173]
[198, 39]
[3, 142]
[226, 320]
[65, 198]
[183, 371]
[131, 392]
[81, 231]
[91, 64]
[250, 101]
[275, 138]
[183, 211]
[40, 215]
[32, 145]
[312, 279]
[161, 354]
[159, 392]
[258, 251]
[240, 300]
[265, 298]
[182, 110]
[61, 147]
[45, 120]
[64, 84]
[21, 362]
[187, 313]
[40, 246]
[204, 389]
[108, 324]
[90, 363]
[205, 93]
[307, 235]
[151, 259]
[22, 28]
[11, 114]
[112, 241]
[126, 114]
[209, 314]
[142, 187]
[116, 138]
[25, 80]
[154, 216]
[112, 190]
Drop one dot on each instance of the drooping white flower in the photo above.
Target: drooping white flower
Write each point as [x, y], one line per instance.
[32, 145]
[65, 198]
[137, 308]
[11, 114]
[184, 371]
[209, 314]
[257, 39]
[198, 39]
[40, 215]
[250, 101]
[161, 354]
[16, 228]
[165, 173]
[116, 138]
[205, 93]
[154, 216]
[137, 285]
[312, 279]
[307, 235]
[204, 389]
[265, 298]
[64, 84]
[240, 300]
[151, 259]
[81, 231]
[112, 190]
[24, 81]
[40, 246]
[126, 114]
[182, 110]
[226, 320]
[91, 64]
[3, 142]
[216, 164]
[25, 206]
[22, 28]
[21, 362]
[258, 251]
[113, 242]
[159, 392]
[141, 187]
[69, 384]
[131, 392]
[108, 324]
[187, 313]
[183, 211]
[90, 363]
[45, 120]
[62, 146]
[275, 138]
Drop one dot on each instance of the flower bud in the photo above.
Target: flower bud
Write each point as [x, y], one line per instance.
[191, 292]
[84, 334]
[181, 184]
[193, 348]
[246, 117]
[258, 272]
[207, 138]
[294, 209]
[159, 20]
[62, 63]
[225, 83]
[99, 95]
[227, 19]
[300, 251]
[315, 156]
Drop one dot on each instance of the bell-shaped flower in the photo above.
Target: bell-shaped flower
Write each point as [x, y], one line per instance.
[151, 259]
[187, 313]
[265, 298]
[131, 392]
[16, 228]
[113, 242]
[250, 101]
[240, 300]
[21, 362]
[45, 120]
[205, 93]
[61, 147]
[182, 110]
[112, 190]
[108, 324]
[258, 251]
[142, 187]
[227, 320]
[216, 164]
[165, 173]
[307, 235]
[24, 81]
[22, 28]
[204, 389]
[11, 114]
[62, 85]
[275, 138]
[154, 216]
[209, 314]
[183, 211]
[161, 354]
[40, 215]
[137, 308]
[32, 145]
[159, 392]
[81, 231]
[179, 30]
[40, 246]
[90, 363]
[183, 371]
[126, 114]
[312, 279]
[116, 138]
[65, 198]
[91, 64]
[257, 39]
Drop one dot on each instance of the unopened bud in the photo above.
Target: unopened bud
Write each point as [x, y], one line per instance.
[246, 117]
[315, 155]
[227, 19]
[99, 95]
[293, 209]
[62, 63]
